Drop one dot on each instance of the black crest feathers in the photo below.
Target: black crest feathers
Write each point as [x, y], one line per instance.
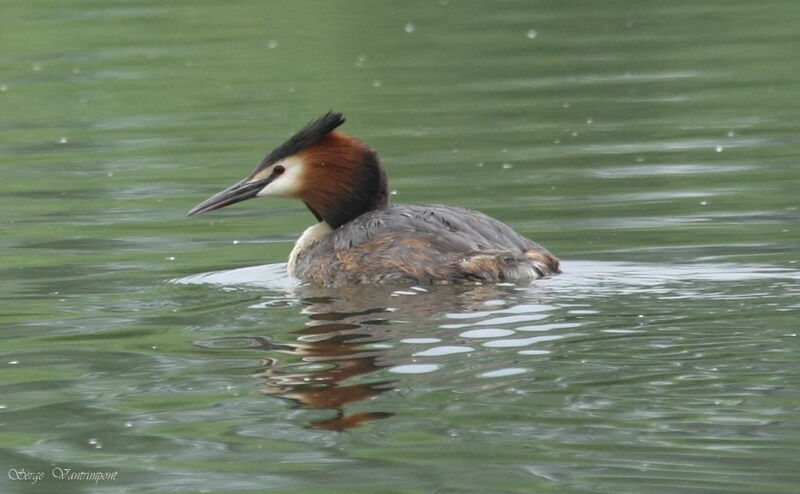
[305, 137]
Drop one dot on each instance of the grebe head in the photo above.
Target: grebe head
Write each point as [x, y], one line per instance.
[337, 176]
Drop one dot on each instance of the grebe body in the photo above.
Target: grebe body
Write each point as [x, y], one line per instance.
[359, 238]
[419, 244]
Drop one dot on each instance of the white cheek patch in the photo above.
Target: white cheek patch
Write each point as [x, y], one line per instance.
[289, 183]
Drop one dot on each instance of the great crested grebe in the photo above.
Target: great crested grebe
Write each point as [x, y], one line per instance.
[359, 238]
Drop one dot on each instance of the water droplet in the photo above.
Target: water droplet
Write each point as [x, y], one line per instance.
[3, 88]
[361, 60]
[704, 203]
[718, 148]
[531, 34]
[393, 193]
[3, 407]
[63, 140]
[574, 134]
[589, 121]
[480, 164]
[506, 166]
[376, 83]
[731, 133]
[236, 242]
[565, 105]
[272, 44]
[557, 141]
[409, 27]
[13, 362]
[128, 424]
[170, 258]
[94, 442]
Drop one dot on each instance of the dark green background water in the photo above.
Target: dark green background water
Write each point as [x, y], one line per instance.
[653, 146]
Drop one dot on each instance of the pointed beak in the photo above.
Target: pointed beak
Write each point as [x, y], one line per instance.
[233, 194]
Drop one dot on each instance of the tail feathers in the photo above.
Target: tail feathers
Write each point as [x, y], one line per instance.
[546, 262]
[505, 266]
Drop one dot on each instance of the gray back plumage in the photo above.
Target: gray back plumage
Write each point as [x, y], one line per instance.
[466, 230]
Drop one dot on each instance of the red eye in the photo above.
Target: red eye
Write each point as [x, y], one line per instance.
[278, 170]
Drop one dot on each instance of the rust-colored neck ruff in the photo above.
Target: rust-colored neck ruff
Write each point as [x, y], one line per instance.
[344, 179]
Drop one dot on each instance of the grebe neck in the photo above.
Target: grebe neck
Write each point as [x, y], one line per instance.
[348, 191]
[311, 236]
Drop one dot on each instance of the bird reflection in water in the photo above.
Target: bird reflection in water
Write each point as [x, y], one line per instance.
[333, 352]
[349, 336]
